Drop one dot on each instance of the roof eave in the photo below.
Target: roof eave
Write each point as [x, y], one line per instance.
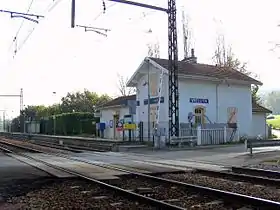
[215, 79]
[132, 81]
[264, 110]
[111, 107]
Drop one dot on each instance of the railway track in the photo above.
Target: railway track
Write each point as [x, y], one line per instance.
[97, 147]
[250, 176]
[58, 146]
[171, 193]
[239, 174]
[106, 190]
[6, 147]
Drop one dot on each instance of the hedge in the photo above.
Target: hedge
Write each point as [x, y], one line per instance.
[69, 124]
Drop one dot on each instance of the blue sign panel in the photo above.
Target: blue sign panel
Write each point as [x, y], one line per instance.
[154, 100]
[199, 100]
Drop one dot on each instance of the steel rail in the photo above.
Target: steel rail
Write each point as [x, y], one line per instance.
[229, 196]
[229, 174]
[20, 146]
[71, 147]
[239, 177]
[57, 146]
[226, 195]
[261, 172]
[5, 149]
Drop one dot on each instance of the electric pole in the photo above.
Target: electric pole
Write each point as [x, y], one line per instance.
[172, 57]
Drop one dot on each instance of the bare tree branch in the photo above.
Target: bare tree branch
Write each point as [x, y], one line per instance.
[154, 50]
[123, 89]
[225, 58]
[186, 34]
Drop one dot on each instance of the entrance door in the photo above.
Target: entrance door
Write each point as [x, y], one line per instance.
[199, 113]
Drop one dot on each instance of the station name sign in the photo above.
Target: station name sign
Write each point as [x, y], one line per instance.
[199, 100]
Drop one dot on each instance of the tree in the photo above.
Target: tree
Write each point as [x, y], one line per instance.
[186, 34]
[225, 58]
[272, 101]
[122, 86]
[82, 101]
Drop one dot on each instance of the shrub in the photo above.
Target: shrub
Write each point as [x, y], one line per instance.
[69, 124]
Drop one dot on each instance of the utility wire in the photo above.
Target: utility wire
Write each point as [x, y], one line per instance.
[21, 25]
[48, 10]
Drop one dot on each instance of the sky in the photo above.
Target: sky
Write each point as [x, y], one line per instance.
[56, 58]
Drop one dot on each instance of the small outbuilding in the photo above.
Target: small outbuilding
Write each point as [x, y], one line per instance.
[259, 124]
[115, 114]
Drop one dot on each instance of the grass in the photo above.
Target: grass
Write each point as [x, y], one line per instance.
[275, 123]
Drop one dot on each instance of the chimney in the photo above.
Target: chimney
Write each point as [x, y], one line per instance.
[191, 59]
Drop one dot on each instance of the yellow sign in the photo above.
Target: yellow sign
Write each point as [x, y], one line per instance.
[129, 126]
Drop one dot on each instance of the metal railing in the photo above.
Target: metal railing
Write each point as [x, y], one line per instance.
[255, 143]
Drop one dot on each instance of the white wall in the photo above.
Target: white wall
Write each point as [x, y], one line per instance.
[238, 96]
[241, 98]
[142, 94]
[259, 124]
[107, 115]
[216, 110]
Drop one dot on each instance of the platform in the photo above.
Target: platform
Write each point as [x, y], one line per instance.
[12, 169]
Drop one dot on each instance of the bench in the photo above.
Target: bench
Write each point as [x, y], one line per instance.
[184, 140]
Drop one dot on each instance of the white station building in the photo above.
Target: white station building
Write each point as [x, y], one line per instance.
[213, 95]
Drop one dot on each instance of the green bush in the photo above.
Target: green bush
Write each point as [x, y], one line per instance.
[70, 124]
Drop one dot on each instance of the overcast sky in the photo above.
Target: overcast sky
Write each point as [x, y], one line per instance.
[57, 58]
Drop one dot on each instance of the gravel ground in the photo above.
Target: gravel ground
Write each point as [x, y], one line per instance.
[270, 193]
[61, 194]
[30, 145]
[175, 195]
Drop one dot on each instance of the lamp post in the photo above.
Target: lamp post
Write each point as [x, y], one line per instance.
[4, 120]
[149, 105]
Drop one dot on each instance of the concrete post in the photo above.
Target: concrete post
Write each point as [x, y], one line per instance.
[225, 134]
[199, 135]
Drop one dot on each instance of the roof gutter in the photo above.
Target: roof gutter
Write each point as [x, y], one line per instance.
[214, 79]
[111, 107]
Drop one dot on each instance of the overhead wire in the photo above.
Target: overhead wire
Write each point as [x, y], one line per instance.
[143, 15]
[50, 7]
[21, 25]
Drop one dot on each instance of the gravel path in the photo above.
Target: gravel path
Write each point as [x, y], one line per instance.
[270, 193]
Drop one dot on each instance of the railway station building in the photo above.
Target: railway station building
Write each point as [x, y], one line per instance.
[209, 96]
[217, 101]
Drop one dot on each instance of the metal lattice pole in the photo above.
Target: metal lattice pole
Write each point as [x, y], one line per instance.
[173, 70]
[172, 56]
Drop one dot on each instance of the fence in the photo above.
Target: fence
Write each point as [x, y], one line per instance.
[210, 136]
[206, 135]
